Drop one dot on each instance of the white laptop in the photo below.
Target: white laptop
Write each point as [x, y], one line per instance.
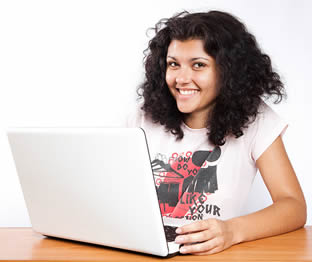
[93, 185]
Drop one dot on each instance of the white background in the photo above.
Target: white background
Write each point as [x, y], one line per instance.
[78, 63]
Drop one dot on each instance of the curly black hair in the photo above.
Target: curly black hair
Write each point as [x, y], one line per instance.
[245, 73]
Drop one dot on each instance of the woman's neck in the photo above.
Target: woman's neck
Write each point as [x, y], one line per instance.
[196, 121]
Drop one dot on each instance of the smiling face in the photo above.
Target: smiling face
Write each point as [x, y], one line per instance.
[192, 80]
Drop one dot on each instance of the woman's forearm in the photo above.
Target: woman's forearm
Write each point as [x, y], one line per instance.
[282, 216]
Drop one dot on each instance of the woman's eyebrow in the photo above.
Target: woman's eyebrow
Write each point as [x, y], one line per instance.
[192, 59]
[196, 58]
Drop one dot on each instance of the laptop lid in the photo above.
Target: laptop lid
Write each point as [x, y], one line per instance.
[90, 184]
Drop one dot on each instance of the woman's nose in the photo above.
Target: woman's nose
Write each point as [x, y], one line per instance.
[183, 76]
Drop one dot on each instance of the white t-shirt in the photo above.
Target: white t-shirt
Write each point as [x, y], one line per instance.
[196, 180]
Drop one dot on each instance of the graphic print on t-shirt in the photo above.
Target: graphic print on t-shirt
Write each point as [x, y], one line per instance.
[185, 181]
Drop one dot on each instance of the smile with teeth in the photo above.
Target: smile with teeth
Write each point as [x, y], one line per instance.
[188, 92]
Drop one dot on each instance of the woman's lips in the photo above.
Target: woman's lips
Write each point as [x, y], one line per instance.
[187, 93]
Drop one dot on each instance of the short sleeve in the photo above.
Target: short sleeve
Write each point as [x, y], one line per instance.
[264, 130]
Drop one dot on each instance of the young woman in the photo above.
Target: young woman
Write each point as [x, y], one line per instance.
[209, 131]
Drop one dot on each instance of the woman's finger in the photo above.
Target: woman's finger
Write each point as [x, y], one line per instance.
[194, 237]
[193, 227]
[199, 248]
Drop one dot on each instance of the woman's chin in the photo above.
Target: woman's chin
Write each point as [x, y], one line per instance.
[185, 110]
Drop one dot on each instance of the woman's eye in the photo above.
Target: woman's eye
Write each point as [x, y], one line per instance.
[172, 64]
[199, 65]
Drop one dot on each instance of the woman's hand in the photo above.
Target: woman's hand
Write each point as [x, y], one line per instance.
[205, 237]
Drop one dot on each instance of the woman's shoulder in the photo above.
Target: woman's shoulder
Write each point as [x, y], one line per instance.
[266, 120]
[266, 127]
[266, 112]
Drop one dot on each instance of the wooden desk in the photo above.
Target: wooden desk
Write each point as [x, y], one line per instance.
[18, 244]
